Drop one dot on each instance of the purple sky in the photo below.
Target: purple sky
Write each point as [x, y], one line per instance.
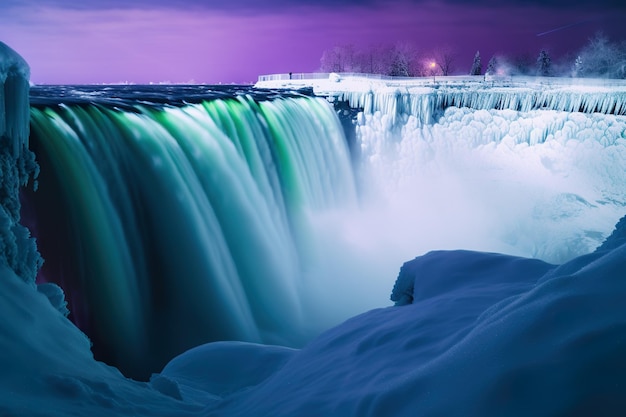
[213, 41]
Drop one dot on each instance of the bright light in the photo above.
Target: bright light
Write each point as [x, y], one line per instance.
[433, 64]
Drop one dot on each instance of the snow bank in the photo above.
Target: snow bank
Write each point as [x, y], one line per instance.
[48, 368]
[487, 335]
[216, 370]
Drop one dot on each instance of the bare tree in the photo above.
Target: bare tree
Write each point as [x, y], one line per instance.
[340, 59]
[444, 58]
[602, 58]
[376, 59]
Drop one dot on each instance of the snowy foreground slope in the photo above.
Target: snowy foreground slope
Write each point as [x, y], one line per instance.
[485, 334]
[477, 334]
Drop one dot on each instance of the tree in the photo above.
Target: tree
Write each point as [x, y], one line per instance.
[402, 57]
[578, 69]
[492, 66]
[444, 59]
[602, 58]
[544, 64]
[477, 68]
[340, 59]
[522, 64]
[375, 59]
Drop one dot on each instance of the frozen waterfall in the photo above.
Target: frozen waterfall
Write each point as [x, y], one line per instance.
[427, 105]
[519, 172]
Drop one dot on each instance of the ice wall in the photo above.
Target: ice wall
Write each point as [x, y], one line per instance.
[17, 165]
[428, 104]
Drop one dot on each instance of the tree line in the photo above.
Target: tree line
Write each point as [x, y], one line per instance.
[599, 57]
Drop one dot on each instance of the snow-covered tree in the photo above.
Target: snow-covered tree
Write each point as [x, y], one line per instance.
[477, 68]
[522, 64]
[492, 66]
[602, 58]
[340, 59]
[544, 64]
[578, 69]
[402, 57]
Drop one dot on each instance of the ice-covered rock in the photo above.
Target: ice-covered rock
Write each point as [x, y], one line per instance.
[14, 109]
[17, 165]
[440, 273]
[617, 238]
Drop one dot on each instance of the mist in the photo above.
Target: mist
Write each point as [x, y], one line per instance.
[537, 184]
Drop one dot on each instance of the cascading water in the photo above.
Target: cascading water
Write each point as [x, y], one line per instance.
[170, 227]
[237, 219]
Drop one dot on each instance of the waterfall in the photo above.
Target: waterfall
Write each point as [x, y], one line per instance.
[236, 218]
[170, 227]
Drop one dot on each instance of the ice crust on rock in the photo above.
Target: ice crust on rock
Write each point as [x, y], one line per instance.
[17, 165]
[616, 239]
[14, 107]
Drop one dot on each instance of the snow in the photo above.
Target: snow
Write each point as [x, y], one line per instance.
[17, 166]
[477, 333]
[485, 334]
[216, 370]
[14, 108]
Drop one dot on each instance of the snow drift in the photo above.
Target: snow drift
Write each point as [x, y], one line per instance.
[506, 336]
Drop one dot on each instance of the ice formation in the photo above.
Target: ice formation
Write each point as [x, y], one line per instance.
[17, 166]
[426, 106]
[556, 173]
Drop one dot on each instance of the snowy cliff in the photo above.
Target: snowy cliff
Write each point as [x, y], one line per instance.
[17, 165]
